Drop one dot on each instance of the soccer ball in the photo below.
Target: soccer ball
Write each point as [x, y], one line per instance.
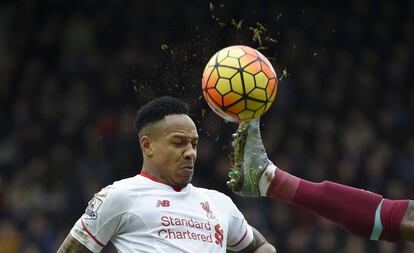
[239, 83]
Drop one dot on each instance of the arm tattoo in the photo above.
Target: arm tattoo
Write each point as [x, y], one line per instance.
[258, 240]
[71, 245]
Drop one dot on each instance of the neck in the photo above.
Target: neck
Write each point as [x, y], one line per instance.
[154, 173]
[155, 176]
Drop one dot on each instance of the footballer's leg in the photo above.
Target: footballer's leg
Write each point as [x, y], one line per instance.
[249, 159]
[360, 212]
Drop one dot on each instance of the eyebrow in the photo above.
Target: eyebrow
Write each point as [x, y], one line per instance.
[183, 136]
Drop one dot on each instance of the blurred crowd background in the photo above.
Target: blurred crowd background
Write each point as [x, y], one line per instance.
[73, 74]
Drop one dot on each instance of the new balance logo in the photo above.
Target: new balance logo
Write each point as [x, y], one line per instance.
[163, 203]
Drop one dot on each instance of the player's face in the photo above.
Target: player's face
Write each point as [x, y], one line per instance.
[175, 150]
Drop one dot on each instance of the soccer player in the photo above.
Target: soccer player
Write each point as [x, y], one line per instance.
[159, 210]
[360, 212]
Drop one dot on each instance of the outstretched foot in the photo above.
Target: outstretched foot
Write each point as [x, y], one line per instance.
[249, 159]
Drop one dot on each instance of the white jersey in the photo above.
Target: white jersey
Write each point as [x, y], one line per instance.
[138, 214]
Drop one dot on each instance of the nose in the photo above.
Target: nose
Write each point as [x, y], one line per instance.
[190, 153]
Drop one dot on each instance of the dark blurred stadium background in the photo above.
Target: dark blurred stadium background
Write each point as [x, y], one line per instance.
[73, 74]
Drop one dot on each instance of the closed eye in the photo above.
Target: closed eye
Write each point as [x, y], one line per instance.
[179, 144]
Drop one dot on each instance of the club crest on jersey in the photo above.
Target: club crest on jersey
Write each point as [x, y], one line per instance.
[93, 206]
[206, 207]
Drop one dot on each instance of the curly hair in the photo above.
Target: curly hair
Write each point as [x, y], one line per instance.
[157, 109]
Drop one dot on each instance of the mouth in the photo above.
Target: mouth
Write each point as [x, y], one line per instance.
[187, 170]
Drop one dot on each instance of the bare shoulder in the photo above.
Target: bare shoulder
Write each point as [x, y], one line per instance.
[70, 244]
[407, 224]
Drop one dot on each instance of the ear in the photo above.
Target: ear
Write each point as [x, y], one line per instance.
[146, 146]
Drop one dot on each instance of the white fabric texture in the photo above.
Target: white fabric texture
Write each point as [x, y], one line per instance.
[140, 215]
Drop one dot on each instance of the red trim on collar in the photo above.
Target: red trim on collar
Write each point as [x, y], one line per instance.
[149, 176]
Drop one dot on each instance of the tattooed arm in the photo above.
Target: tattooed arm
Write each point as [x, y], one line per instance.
[71, 245]
[258, 245]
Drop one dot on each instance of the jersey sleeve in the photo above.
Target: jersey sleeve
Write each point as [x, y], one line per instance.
[101, 220]
[240, 233]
